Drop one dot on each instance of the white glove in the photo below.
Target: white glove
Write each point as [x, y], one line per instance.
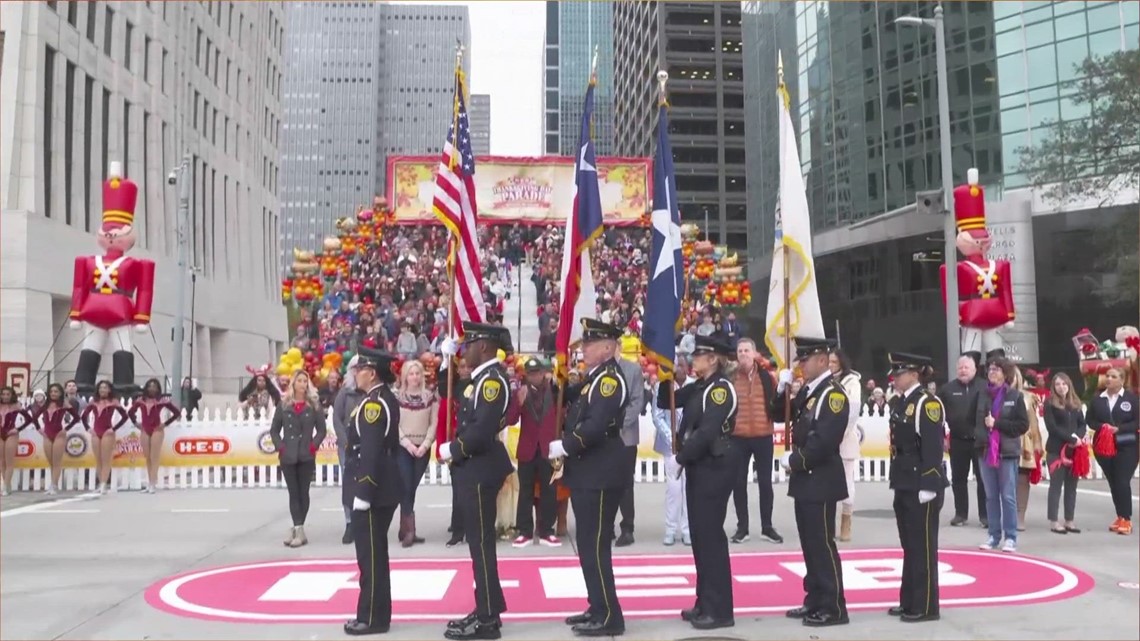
[449, 347]
[74, 324]
[557, 450]
[360, 505]
[445, 452]
[925, 496]
[1008, 325]
[141, 329]
[785, 461]
[784, 379]
[1076, 440]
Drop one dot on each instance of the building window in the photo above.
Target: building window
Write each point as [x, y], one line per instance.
[90, 8]
[106, 142]
[88, 99]
[146, 59]
[108, 30]
[73, 13]
[49, 125]
[126, 153]
[68, 135]
[146, 236]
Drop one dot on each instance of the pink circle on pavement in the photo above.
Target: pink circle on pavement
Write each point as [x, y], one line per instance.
[549, 588]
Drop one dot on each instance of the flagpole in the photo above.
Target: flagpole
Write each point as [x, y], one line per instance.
[453, 363]
[787, 280]
[663, 102]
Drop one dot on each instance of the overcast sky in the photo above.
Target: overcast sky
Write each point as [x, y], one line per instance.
[506, 62]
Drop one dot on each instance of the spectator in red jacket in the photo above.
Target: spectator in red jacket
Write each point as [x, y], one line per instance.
[534, 407]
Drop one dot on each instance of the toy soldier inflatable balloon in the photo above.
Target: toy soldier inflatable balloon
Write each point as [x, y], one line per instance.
[985, 293]
[112, 292]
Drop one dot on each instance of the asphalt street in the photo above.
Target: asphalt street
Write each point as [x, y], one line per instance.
[81, 567]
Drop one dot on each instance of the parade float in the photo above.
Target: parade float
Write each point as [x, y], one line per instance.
[1097, 357]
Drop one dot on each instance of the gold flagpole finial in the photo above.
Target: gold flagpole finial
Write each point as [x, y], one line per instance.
[780, 66]
[594, 67]
[458, 53]
[662, 78]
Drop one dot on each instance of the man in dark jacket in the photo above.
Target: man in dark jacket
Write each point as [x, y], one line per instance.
[960, 397]
[347, 398]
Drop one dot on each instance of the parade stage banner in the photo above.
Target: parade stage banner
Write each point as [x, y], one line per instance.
[530, 191]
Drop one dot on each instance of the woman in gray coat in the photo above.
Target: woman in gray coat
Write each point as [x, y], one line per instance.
[298, 430]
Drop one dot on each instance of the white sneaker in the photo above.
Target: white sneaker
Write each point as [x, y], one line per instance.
[1009, 546]
[150, 490]
[5, 492]
[990, 544]
[670, 539]
[50, 491]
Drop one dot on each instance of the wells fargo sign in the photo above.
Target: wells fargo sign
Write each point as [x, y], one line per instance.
[537, 191]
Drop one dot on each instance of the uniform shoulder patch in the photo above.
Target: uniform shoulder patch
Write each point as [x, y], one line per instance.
[933, 411]
[491, 389]
[836, 401]
[910, 410]
[372, 411]
[811, 403]
[607, 385]
[469, 392]
[719, 395]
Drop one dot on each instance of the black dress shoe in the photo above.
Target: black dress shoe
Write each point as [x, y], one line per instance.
[347, 538]
[825, 619]
[578, 619]
[797, 613]
[897, 611]
[455, 624]
[624, 540]
[477, 629]
[914, 617]
[358, 628]
[455, 540]
[705, 622]
[598, 629]
[957, 520]
[690, 614]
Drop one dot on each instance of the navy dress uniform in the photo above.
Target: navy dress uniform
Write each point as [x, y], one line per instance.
[372, 491]
[918, 477]
[816, 484]
[479, 466]
[710, 460]
[597, 476]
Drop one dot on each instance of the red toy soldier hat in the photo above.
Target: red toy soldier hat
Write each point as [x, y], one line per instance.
[970, 206]
[119, 198]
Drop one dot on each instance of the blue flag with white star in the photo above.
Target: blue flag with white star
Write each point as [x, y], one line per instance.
[662, 317]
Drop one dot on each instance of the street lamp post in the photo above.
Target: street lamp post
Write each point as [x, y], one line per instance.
[181, 177]
[950, 250]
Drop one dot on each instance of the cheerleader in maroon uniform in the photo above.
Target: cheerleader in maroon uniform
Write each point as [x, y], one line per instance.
[53, 420]
[102, 416]
[13, 418]
[147, 415]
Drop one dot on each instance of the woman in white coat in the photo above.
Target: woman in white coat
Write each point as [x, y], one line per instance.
[849, 447]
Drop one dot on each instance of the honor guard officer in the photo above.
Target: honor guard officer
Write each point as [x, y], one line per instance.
[817, 481]
[918, 478]
[711, 463]
[372, 488]
[597, 475]
[479, 466]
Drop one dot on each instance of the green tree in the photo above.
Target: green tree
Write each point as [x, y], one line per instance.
[1096, 159]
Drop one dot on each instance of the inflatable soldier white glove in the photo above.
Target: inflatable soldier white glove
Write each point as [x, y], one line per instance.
[74, 324]
[785, 379]
[557, 451]
[360, 505]
[926, 496]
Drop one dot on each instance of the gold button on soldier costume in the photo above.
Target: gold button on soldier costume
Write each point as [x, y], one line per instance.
[817, 481]
[597, 476]
[372, 491]
[479, 466]
[711, 462]
[918, 478]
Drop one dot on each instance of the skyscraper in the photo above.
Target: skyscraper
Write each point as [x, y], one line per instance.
[698, 43]
[865, 95]
[479, 111]
[332, 77]
[364, 81]
[573, 30]
[143, 84]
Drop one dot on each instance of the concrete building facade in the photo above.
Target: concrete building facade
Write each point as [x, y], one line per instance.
[85, 84]
[699, 44]
[865, 105]
[479, 112]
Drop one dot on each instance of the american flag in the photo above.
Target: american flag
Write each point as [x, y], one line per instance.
[454, 205]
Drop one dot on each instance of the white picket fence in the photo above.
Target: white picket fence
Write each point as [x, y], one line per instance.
[649, 469]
